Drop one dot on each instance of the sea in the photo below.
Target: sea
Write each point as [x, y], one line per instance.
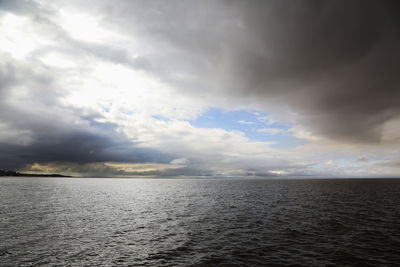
[199, 222]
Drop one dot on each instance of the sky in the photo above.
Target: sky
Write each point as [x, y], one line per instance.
[200, 88]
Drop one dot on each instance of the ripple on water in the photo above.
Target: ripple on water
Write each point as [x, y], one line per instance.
[199, 222]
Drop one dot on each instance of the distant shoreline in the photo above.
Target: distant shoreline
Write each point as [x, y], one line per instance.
[18, 174]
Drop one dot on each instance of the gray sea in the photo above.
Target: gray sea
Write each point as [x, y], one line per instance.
[199, 222]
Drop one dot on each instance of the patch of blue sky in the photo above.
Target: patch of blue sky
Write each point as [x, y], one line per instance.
[249, 122]
[106, 107]
[160, 118]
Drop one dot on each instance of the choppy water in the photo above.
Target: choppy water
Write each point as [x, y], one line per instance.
[200, 222]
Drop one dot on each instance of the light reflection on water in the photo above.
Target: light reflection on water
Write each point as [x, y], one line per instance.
[71, 221]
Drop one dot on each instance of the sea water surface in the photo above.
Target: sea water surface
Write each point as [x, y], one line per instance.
[199, 222]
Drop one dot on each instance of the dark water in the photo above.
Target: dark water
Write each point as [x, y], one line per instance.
[198, 222]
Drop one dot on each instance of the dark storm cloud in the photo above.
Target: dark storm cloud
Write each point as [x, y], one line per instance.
[36, 127]
[333, 63]
[59, 141]
[18, 6]
[78, 147]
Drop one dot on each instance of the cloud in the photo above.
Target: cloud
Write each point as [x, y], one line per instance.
[272, 131]
[395, 164]
[82, 85]
[362, 159]
[180, 161]
[38, 126]
[79, 146]
[331, 65]
[245, 122]
[101, 169]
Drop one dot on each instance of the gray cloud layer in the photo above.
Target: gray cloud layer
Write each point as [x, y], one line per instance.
[334, 64]
[36, 127]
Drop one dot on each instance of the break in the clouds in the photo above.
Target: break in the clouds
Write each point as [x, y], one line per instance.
[224, 88]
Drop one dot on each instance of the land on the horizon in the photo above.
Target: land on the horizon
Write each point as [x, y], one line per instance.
[15, 173]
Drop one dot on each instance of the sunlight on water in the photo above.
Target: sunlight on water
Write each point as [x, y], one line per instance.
[199, 222]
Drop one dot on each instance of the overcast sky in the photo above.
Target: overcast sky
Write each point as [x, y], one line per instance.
[222, 88]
